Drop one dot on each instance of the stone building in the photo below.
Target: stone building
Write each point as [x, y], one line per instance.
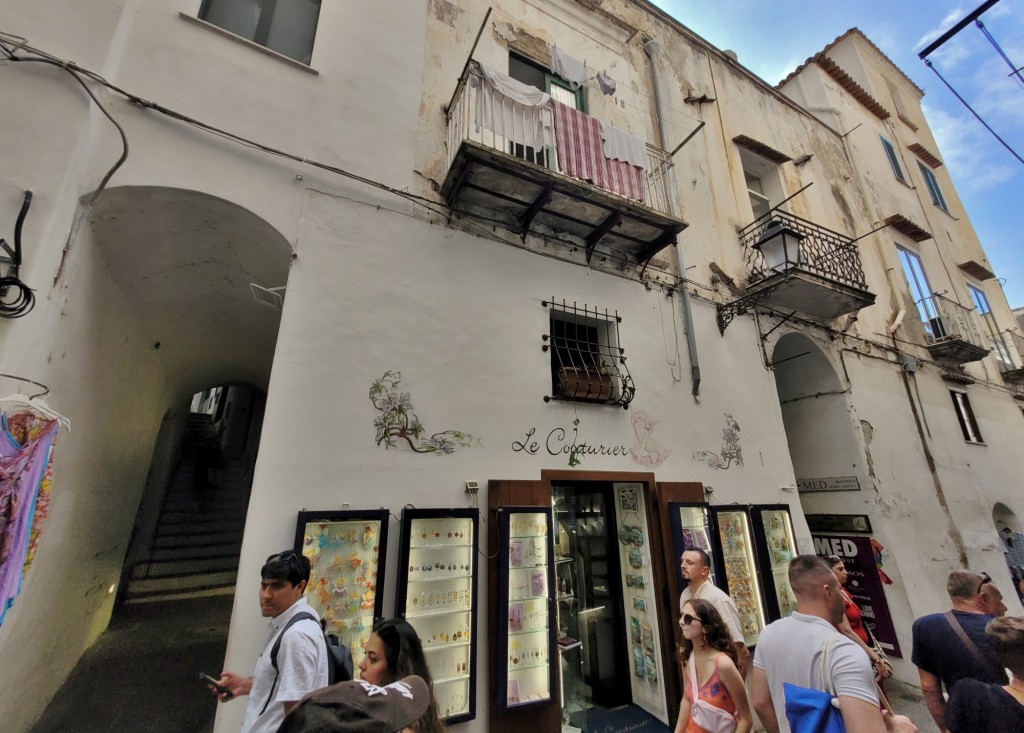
[482, 230]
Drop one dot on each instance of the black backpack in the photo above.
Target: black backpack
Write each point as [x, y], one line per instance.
[339, 656]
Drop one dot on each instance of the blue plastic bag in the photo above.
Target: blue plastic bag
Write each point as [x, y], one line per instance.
[811, 711]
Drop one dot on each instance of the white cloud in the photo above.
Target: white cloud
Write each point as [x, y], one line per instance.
[952, 17]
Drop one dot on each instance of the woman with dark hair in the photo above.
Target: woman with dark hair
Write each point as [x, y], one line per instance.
[392, 652]
[980, 706]
[852, 625]
[715, 699]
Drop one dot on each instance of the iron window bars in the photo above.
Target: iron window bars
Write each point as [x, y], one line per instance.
[587, 363]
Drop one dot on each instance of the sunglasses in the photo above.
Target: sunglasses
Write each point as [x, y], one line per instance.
[984, 579]
[688, 619]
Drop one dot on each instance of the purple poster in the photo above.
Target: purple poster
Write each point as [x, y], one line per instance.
[864, 585]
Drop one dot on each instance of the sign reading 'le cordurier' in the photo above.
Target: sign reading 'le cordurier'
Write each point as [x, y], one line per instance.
[835, 483]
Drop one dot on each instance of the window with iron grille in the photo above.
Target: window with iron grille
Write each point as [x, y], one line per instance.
[588, 363]
[965, 415]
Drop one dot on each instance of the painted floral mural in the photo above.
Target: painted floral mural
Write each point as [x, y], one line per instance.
[397, 421]
[731, 453]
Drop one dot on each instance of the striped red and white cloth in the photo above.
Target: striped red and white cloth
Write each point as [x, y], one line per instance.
[580, 149]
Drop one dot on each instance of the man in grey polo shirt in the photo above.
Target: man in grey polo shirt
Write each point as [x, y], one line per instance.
[695, 565]
[790, 650]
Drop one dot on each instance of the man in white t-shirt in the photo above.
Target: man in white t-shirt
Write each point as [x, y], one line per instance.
[695, 565]
[301, 655]
[790, 650]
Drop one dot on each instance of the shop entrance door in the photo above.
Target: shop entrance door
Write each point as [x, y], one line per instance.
[591, 629]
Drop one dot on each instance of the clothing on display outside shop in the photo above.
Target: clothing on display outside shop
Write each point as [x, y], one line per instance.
[22, 466]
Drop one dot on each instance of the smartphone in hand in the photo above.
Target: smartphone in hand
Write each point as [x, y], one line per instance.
[215, 684]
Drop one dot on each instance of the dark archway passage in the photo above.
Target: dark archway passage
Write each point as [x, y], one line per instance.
[180, 264]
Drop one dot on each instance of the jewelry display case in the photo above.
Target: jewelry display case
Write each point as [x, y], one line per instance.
[437, 594]
[347, 552]
[525, 623]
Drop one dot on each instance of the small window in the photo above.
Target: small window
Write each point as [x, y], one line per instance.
[587, 362]
[285, 26]
[933, 187]
[890, 153]
[965, 415]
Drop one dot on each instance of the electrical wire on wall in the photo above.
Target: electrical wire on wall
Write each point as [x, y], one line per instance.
[16, 298]
[14, 48]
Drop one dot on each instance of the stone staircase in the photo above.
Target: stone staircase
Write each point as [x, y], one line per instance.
[199, 536]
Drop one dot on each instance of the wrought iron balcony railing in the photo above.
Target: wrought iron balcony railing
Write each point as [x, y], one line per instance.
[823, 252]
[949, 321]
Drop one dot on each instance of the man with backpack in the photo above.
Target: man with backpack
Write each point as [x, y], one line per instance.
[805, 650]
[294, 660]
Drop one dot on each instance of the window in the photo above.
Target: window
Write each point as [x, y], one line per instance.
[890, 153]
[587, 362]
[285, 26]
[761, 177]
[524, 70]
[999, 347]
[921, 292]
[933, 187]
[965, 415]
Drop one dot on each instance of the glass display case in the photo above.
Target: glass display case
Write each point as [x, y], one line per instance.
[773, 530]
[347, 552]
[525, 609]
[437, 594]
[691, 527]
[740, 568]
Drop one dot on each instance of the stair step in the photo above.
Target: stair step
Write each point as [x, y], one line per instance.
[206, 540]
[201, 525]
[202, 552]
[178, 568]
[160, 596]
[182, 582]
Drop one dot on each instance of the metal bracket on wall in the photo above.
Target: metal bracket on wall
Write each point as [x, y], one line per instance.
[725, 312]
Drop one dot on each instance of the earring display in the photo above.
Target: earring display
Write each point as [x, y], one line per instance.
[525, 567]
[438, 556]
[345, 552]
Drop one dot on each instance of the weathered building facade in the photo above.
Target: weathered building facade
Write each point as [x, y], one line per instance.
[444, 244]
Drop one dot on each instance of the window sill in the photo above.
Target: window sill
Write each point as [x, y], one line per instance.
[246, 42]
[981, 443]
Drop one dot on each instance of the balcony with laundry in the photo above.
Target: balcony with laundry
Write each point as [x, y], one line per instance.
[953, 332]
[799, 266]
[521, 160]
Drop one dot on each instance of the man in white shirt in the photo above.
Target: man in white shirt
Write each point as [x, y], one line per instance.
[301, 655]
[791, 650]
[695, 565]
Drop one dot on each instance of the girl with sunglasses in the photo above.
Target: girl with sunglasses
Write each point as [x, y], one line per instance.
[715, 699]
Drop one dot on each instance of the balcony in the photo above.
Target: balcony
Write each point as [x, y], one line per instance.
[506, 168]
[1008, 365]
[826, 279]
[953, 332]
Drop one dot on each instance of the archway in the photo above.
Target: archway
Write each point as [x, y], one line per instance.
[157, 305]
[1011, 536]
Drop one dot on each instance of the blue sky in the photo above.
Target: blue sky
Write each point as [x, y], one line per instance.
[773, 38]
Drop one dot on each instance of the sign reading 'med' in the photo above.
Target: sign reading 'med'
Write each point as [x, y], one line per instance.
[835, 483]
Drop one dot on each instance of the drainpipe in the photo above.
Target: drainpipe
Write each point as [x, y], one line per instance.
[652, 48]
